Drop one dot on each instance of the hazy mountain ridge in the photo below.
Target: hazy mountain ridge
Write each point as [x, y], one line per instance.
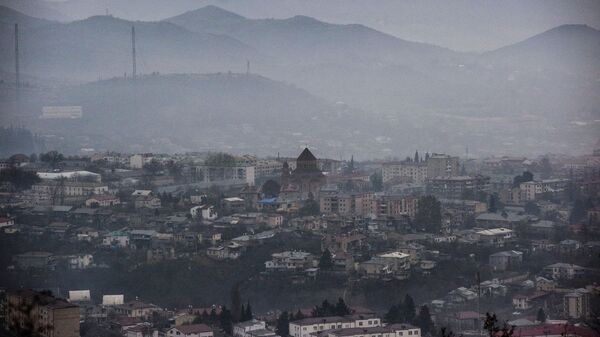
[100, 46]
[234, 112]
[406, 87]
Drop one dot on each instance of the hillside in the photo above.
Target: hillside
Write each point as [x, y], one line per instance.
[233, 112]
[304, 39]
[100, 47]
[573, 48]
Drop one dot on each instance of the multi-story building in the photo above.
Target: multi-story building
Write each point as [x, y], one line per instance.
[357, 204]
[268, 168]
[309, 326]
[457, 187]
[191, 330]
[30, 312]
[251, 328]
[384, 206]
[576, 304]
[392, 330]
[531, 190]
[238, 174]
[137, 161]
[52, 192]
[404, 172]
[442, 165]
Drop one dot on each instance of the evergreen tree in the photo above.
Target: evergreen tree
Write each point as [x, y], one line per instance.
[376, 181]
[429, 214]
[249, 314]
[299, 315]
[416, 156]
[236, 302]
[392, 316]
[243, 314]
[341, 309]
[205, 317]
[326, 260]
[408, 309]
[213, 316]
[226, 320]
[541, 316]
[424, 321]
[283, 324]
[492, 205]
[494, 329]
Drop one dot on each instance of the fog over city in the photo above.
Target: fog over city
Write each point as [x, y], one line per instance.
[299, 168]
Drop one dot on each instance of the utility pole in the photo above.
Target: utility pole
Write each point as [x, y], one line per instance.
[17, 72]
[133, 51]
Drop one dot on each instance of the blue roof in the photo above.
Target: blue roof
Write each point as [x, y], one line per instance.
[268, 201]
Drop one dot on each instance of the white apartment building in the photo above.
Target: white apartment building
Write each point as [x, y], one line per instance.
[290, 261]
[306, 327]
[416, 172]
[393, 330]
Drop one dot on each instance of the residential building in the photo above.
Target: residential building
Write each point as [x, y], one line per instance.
[576, 304]
[441, 165]
[193, 330]
[103, 200]
[48, 316]
[34, 260]
[564, 271]
[290, 261]
[496, 237]
[458, 187]
[502, 261]
[245, 329]
[309, 326]
[406, 171]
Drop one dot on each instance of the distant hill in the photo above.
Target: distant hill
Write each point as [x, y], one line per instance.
[100, 46]
[304, 39]
[567, 47]
[237, 112]
[9, 16]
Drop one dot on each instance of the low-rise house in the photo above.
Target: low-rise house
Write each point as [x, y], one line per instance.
[116, 239]
[244, 329]
[528, 301]
[147, 201]
[503, 219]
[290, 261]
[102, 200]
[502, 261]
[34, 260]
[137, 308]
[205, 212]
[230, 251]
[193, 330]
[564, 271]
[495, 237]
[233, 205]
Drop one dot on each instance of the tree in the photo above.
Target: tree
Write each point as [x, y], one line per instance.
[429, 214]
[532, 208]
[494, 329]
[376, 181]
[18, 178]
[416, 156]
[236, 302]
[393, 315]
[299, 315]
[424, 321]
[283, 324]
[270, 188]
[523, 178]
[341, 309]
[249, 315]
[310, 207]
[326, 309]
[52, 158]
[492, 204]
[578, 212]
[243, 314]
[326, 260]
[226, 320]
[408, 309]
[541, 316]
[213, 316]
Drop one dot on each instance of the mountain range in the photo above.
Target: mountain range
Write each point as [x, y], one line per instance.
[401, 87]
